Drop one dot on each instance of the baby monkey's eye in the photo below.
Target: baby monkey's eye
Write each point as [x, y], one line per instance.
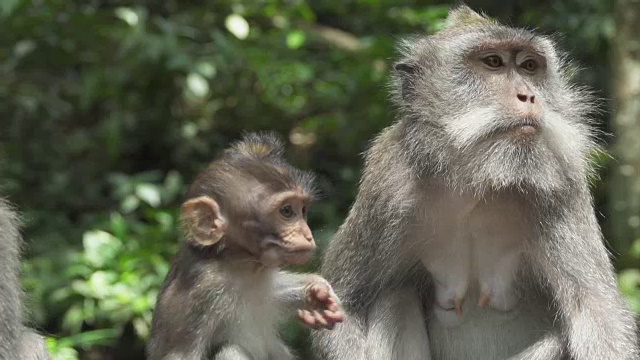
[493, 61]
[287, 211]
[529, 65]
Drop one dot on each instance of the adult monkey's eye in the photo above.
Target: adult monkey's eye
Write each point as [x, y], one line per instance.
[493, 61]
[529, 65]
[286, 211]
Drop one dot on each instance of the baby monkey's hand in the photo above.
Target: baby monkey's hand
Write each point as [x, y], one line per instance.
[322, 306]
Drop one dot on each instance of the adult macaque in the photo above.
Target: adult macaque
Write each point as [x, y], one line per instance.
[244, 217]
[473, 235]
[16, 341]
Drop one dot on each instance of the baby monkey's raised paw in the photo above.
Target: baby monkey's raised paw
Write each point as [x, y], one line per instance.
[322, 306]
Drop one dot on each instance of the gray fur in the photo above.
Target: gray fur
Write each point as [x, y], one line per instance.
[16, 341]
[226, 308]
[32, 346]
[10, 294]
[225, 300]
[438, 164]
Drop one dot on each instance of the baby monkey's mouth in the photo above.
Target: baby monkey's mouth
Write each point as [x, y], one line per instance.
[299, 257]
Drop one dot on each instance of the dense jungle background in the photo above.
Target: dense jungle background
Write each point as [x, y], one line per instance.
[109, 108]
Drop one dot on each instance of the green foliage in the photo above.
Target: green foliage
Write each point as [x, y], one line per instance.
[117, 276]
[629, 279]
[108, 106]
[65, 348]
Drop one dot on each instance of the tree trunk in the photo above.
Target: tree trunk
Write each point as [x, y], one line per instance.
[624, 188]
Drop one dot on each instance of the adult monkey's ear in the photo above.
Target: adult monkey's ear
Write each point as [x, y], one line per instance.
[202, 221]
[407, 72]
[405, 68]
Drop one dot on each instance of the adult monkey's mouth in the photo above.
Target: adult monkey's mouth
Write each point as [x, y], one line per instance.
[526, 127]
[520, 127]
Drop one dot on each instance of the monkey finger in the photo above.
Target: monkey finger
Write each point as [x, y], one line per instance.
[320, 320]
[311, 326]
[309, 298]
[332, 307]
[328, 301]
[321, 292]
[307, 317]
[335, 316]
[310, 318]
[312, 290]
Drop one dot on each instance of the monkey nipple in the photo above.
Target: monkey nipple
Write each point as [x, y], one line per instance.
[453, 305]
[457, 306]
[499, 299]
[484, 299]
[451, 315]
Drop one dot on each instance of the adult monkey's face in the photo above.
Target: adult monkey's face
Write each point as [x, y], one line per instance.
[499, 101]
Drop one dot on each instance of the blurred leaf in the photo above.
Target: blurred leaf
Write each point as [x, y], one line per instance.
[73, 319]
[8, 6]
[237, 25]
[130, 203]
[149, 193]
[127, 15]
[629, 282]
[172, 187]
[198, 85]
[61, 350]
[100, 247]
[206, 69]
[23, 48]
[635, 249]
[296, 39]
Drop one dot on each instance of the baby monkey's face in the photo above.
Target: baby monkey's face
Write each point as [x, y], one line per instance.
[270, 229]
[288, 239]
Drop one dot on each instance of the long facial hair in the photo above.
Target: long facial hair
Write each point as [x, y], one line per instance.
[478, 151]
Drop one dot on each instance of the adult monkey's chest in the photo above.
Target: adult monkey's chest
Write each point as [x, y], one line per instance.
[472, 247]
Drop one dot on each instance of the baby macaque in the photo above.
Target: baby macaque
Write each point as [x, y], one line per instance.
[244, 218]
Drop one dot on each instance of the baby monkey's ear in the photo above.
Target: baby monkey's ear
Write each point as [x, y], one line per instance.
[202, 221]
